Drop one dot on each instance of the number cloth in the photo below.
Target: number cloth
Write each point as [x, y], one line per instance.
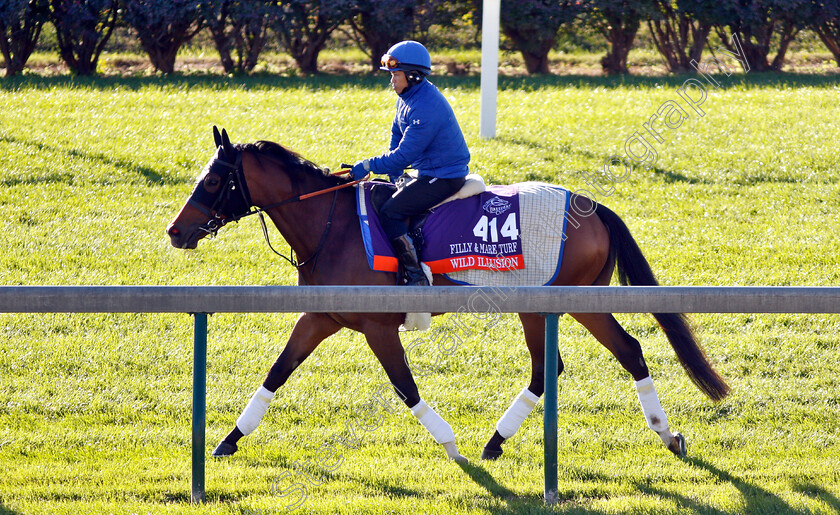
[508, 235]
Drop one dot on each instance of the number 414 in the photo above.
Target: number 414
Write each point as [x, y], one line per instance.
[487, 227]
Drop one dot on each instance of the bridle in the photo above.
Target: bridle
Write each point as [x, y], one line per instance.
[219, 212]
[233, 202]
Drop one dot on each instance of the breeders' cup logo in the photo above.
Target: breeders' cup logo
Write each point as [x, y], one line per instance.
[496, 205]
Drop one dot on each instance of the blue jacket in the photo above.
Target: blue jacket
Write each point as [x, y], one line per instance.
[425, 135]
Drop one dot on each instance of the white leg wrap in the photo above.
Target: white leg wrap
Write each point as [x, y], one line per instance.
[518, 411]
[440, 430]
[654, 414]
[254, 411]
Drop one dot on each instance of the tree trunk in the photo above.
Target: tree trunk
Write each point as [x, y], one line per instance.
[829, 33]
[534, 53]
[306, 47]
[307, 59]
[620, 36]
[254, 44]
[535, 63]
[671, 37]
[700, 34]
[789, 32]
[755, 51]
[378, 45]
[663, 37]
[377, 42]
[81, 51]
[305, 41]
[15, 60]
[20, 42]
[163, 56]
[376, 50]
[247, 49]
[223, 42]
[162, 42]
[222, 39]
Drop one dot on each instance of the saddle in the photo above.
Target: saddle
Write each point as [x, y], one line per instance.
[382, 190]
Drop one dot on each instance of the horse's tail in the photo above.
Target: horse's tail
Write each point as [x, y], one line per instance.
[634, 270]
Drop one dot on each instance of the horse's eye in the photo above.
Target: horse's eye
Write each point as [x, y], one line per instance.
[212, 182]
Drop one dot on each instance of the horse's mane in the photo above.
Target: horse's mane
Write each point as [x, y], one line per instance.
[292, 162]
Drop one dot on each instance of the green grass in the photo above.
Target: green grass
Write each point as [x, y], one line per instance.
[95, 409]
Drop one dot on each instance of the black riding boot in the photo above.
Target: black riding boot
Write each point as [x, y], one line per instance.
[409, 261]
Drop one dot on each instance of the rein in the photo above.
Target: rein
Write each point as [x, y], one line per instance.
[314, 257]
[216, 221]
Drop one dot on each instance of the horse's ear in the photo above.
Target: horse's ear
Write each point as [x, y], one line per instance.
[228, 148]
[217, 137]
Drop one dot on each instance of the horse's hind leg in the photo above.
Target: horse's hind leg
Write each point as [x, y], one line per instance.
[510, 422]
[309, 331]
[627, 350]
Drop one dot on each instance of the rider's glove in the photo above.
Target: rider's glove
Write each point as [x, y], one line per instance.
[360, 169]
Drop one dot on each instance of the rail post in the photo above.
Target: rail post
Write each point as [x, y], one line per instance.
[199, 403]
[550, 416]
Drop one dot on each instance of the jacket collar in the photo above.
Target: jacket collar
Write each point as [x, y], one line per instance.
[405, 95]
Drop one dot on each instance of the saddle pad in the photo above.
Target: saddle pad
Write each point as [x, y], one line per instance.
[479, 232]
[509, 235]
[544, 211]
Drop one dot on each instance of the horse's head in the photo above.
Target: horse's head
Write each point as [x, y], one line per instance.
[220, 196]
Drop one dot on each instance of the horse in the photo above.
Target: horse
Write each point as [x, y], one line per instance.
[315, 211]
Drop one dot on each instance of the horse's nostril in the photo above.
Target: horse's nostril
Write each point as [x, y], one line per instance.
[173, 231]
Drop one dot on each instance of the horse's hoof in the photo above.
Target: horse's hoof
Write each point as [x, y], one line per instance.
[677, 445]
[224, 449]
[452, 452]
[491, 454]
[460, 459]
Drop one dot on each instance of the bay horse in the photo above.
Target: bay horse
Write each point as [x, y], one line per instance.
[315, 212]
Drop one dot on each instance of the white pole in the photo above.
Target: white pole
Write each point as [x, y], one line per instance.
[489, 68]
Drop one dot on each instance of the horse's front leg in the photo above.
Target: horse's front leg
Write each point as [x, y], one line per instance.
[512, 419]
[309, 331]
[384, 341]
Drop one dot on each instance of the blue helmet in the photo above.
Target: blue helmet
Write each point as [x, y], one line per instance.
[407, 56]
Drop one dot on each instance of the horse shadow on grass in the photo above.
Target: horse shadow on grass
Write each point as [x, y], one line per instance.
[815, 491]
[754, 498]
[515, 504]
[5, 510]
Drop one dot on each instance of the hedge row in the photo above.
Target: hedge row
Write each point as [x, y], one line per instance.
[240, 29]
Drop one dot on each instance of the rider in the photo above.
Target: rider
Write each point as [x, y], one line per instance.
[424, 135]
